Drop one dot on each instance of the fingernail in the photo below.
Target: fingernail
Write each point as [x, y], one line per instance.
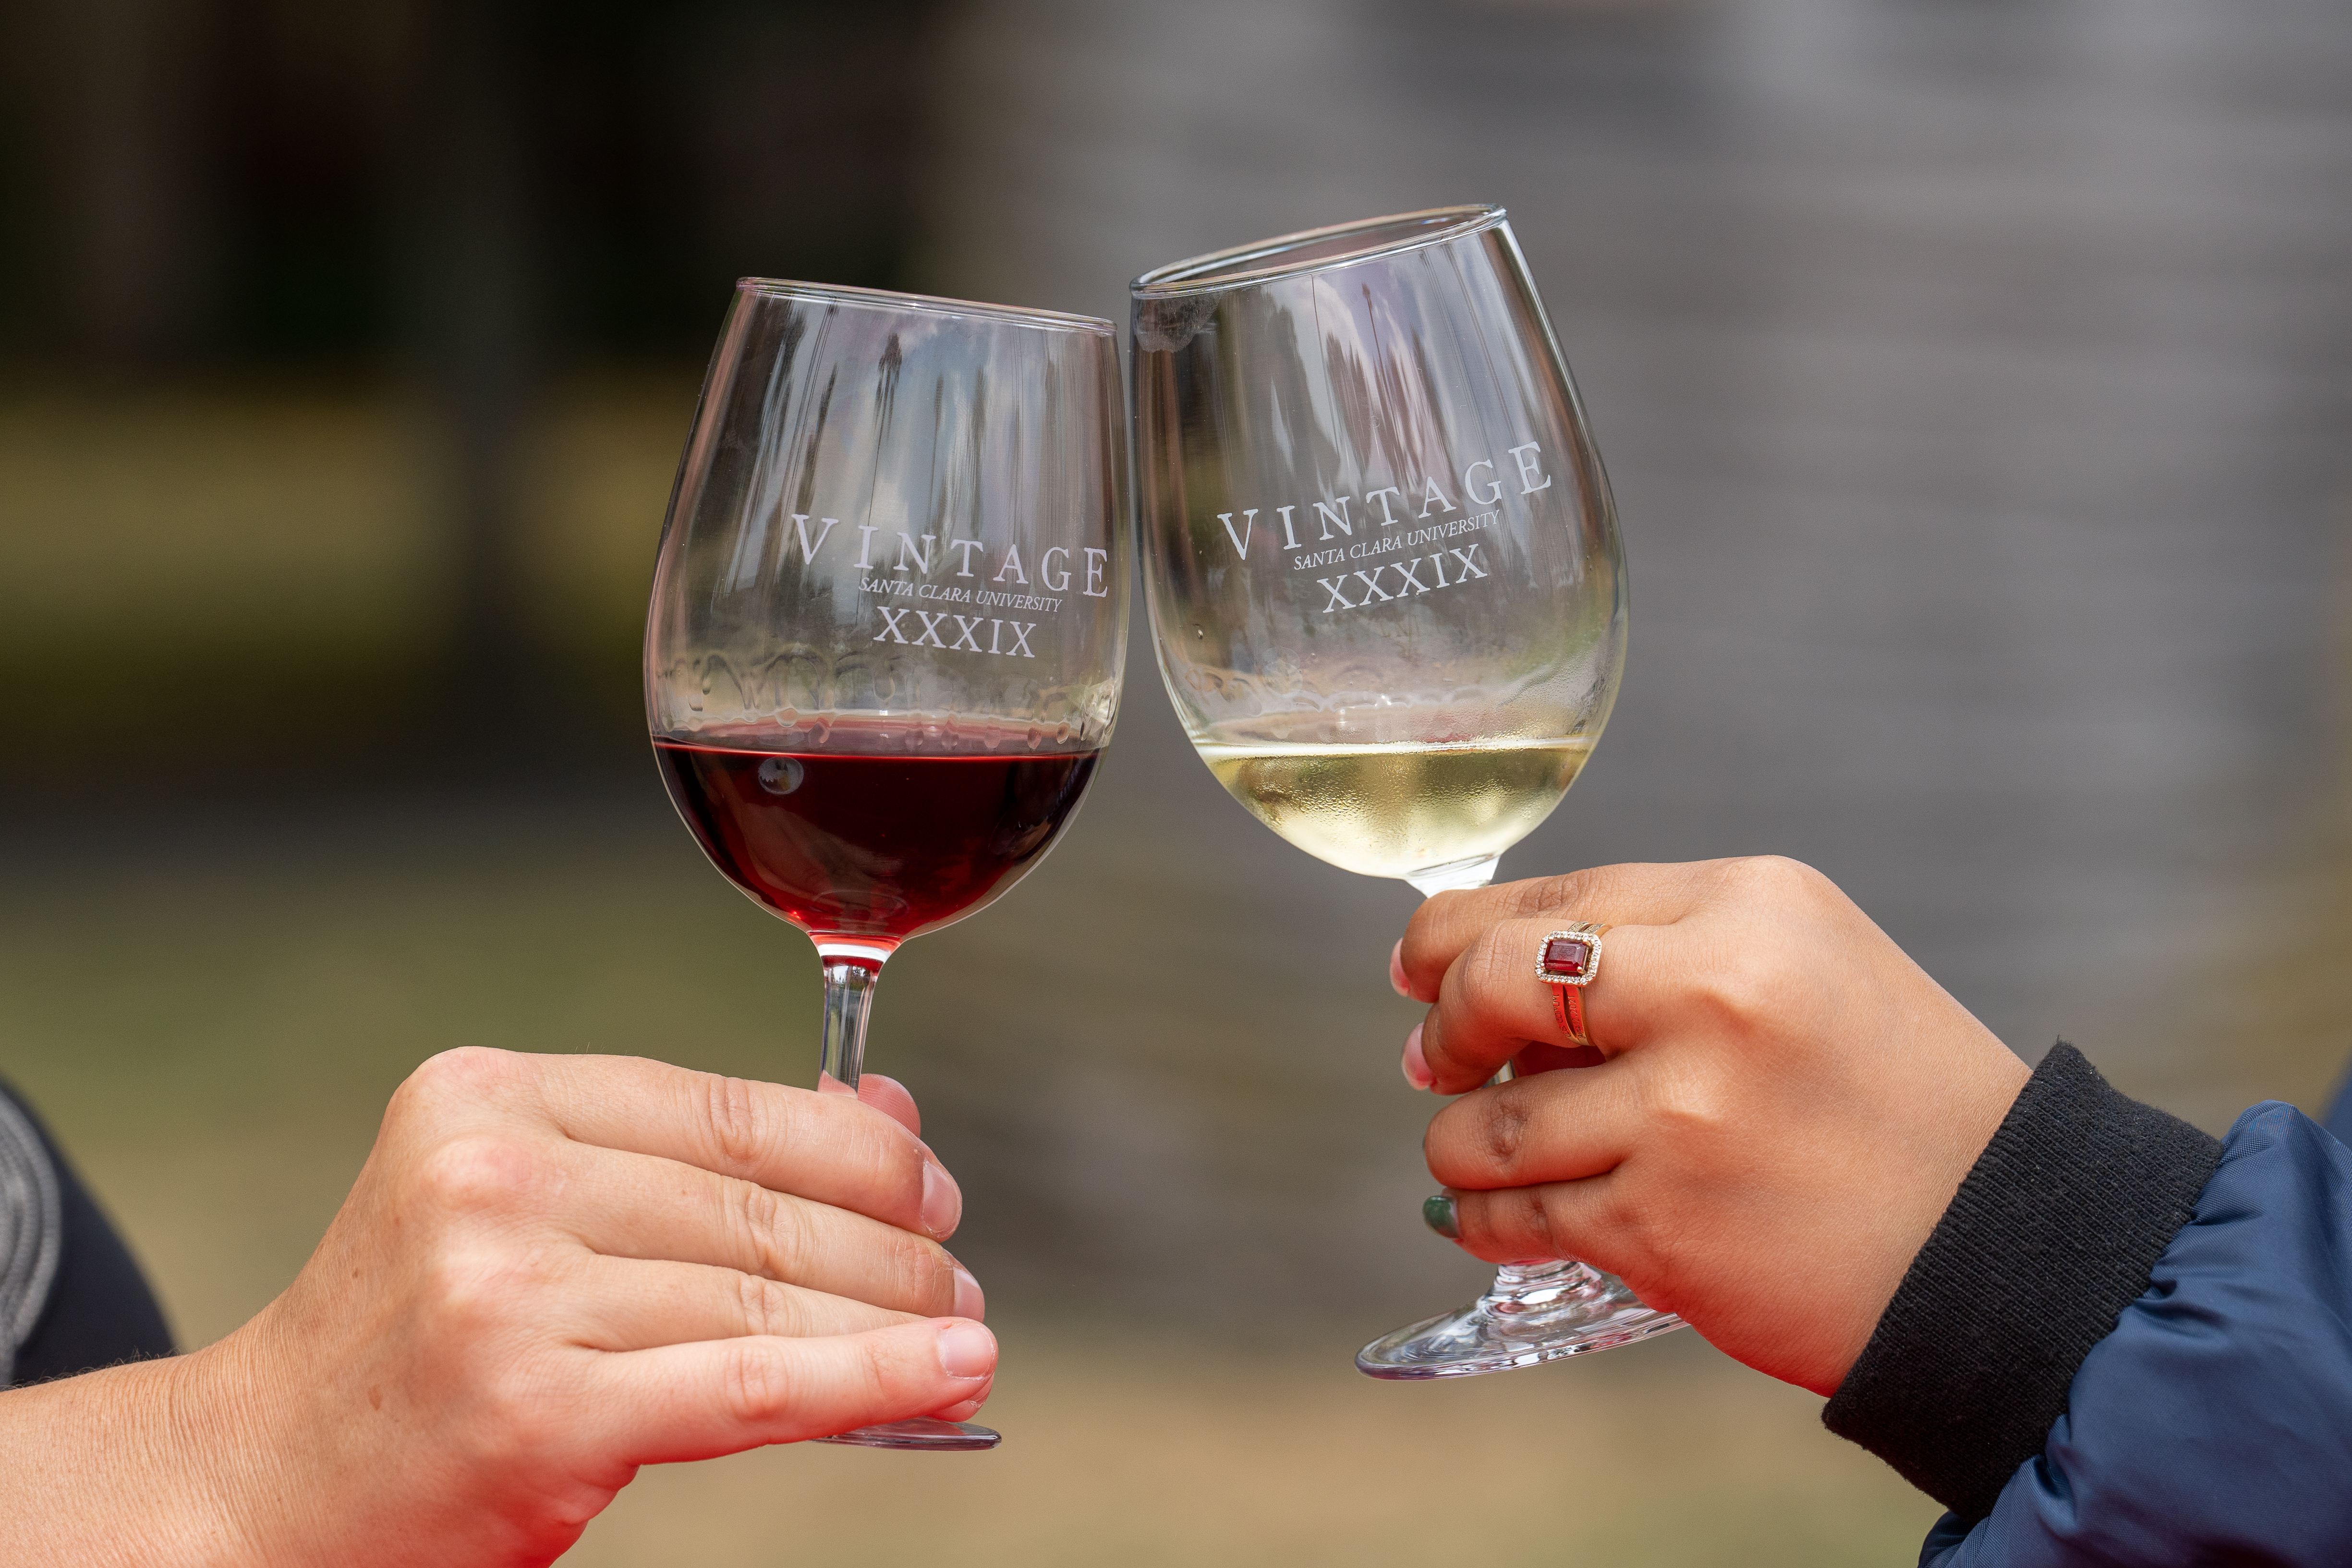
[967, 1349]
[942, 1202]
[965, 1409]
[1415, 1064]
[1396, 970]
[1438, 1213]
[970, 1301]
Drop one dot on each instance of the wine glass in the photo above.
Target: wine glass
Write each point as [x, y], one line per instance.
[888, 616]
[1386, 588]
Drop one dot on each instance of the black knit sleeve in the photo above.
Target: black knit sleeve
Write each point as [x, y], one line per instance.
[2051, 1237]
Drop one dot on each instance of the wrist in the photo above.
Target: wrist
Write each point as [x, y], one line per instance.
[190, 1436]
[236, 1440]
[113, 1467]
[1943, 1134]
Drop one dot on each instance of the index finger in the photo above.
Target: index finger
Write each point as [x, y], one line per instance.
[720, 1397]
[887, 1095]
[830, 1148]
[1622, 895]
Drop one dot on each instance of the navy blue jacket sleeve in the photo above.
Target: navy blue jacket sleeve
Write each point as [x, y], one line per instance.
[2214, 1423]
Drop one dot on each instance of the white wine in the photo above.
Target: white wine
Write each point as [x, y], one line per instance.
[1394, 809]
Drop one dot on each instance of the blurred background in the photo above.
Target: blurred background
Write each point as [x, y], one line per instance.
[1976, 377]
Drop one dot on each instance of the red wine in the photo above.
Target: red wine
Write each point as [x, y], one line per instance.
[876, 847]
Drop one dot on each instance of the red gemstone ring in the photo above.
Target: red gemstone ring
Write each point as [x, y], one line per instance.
[1567, 961]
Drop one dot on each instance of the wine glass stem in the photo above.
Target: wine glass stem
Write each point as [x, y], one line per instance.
[848, 998]
[1514, 1282]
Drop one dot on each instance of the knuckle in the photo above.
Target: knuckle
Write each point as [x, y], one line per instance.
[919, 1274]
[465, 1075]
[476, 1174]
[1543, 1221]
[1490, 966]
[940, 1290]
[1514, 1220]
[1478, 1143]
[873, 1148]
[1683, 1103]
[1737, 990]
[1473, 1001]
[774, 1229]
[524, 1415]
[1775, 877]
[1542, 895]
[758, 1381]
[1503, 1132]
[875, 1366]
[768, 1307]
[1743, 980]
[731, 1110]
[1643, 1246]
[465, 1293]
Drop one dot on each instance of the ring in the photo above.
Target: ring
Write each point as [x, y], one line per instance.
[1567, 961]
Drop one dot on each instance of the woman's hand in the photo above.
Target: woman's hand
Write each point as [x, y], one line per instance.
[1787, 1105]
[551, 1270]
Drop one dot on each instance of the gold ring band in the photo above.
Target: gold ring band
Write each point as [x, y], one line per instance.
[1567, 961]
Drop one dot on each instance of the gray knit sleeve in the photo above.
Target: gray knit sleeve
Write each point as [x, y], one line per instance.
[31, 1231]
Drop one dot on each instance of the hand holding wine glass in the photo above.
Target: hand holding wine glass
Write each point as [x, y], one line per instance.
[552, 1272]
[888, 617]
[1782, 1082]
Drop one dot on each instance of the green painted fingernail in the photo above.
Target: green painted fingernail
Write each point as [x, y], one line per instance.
[1438, 1213]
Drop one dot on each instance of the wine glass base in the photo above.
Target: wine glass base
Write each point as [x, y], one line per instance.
[924, 1432]
[1546, 1312]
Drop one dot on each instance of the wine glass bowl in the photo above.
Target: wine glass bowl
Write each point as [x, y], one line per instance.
[1387, 593]
[862, 843]
[1378, 547]
[888, 617]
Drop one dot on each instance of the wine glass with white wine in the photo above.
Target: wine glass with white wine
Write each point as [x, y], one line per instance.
[1385, 582]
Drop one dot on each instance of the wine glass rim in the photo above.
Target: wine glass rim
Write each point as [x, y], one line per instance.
[1228, 269]
[892, 299]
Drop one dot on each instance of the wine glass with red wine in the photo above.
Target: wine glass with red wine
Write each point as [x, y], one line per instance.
[888, 616]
